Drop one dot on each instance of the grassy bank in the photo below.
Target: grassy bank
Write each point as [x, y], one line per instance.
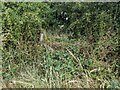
[61, 62]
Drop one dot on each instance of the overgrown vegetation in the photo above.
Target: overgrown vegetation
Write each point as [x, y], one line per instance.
[80, 47]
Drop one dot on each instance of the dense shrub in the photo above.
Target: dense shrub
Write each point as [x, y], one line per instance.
[80, 43]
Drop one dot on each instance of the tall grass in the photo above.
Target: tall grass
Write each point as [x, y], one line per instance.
[33, 65]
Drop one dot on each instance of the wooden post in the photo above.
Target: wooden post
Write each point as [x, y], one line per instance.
[41, 37]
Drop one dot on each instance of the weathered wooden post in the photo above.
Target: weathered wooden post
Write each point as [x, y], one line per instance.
[41, 37]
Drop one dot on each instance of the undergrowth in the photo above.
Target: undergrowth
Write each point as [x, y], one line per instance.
[60, 45]
[68, 64]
